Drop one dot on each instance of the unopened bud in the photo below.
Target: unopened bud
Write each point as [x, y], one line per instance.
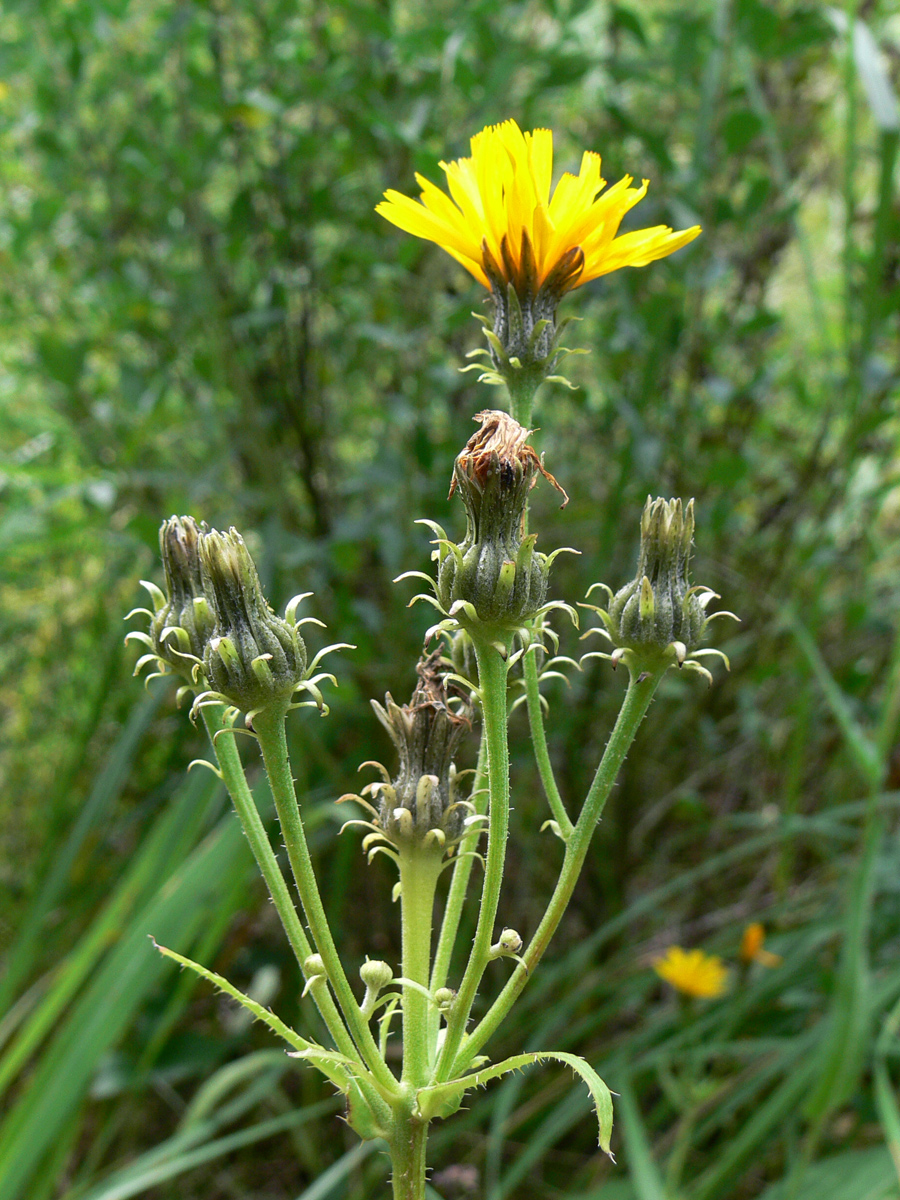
[509, 942]
[375, 974]
[660, 617]
[659, 606]
[182, 620]
[254, 658]
[444, 998]
[462, 655]
[314, 970]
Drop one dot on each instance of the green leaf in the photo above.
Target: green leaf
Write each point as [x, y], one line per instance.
[443, 1099]
[260, 1013]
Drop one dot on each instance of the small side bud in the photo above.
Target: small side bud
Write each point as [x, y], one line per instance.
[375, 974]
[314, 970]
[254, 658]
[509, 943]
[462, 655]
[443, 999]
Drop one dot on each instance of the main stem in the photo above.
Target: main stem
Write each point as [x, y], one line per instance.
[408, 1145]
[419, 871]
[269, 727]
[492, 671]
[522, 386]
[634, 707]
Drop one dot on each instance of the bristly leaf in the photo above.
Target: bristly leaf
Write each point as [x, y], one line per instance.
[260, 1013]
[445, 1098]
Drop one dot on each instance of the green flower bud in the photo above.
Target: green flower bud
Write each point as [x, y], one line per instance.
[313, 965]
[182, 620]
[187, 608]
[443, 998]
[510, 942]
[255, 659]
[660, 618]
[421, 798]
[495, 570]
[462, 655]
[507, 946]
[375, 974]
[314, 973]
[659, 606]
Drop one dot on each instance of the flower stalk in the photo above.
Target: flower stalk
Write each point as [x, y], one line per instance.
[418, 882]
[270, 730]
[492, 673]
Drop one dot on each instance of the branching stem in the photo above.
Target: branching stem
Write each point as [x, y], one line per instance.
[637, 700]
[238, 789]
[459, 883]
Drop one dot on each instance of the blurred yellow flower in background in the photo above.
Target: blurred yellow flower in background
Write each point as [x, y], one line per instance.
[501, 222]
[693, 972]
[752, 947]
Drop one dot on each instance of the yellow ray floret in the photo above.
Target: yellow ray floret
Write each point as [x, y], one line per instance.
[693, 972]
[500, 204]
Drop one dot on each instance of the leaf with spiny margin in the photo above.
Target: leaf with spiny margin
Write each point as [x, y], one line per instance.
[333, 1066]
[443, 1099]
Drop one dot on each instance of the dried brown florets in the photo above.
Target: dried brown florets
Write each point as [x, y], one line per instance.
[503, 440]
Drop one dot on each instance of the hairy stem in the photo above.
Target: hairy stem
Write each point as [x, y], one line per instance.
[539, 745]
[269, 727]
[459, 883]
[238, 789]
[492, 670]
[419, 871]
[408, 1144]
[522, 388]
[634, 707]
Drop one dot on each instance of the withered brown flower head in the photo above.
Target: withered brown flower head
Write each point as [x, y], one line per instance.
[501, 444]
[433, 689]
[495, 569]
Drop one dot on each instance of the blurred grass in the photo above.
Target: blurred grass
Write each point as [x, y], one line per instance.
[202, 314]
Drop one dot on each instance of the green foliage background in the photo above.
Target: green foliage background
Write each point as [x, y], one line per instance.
[201, 313]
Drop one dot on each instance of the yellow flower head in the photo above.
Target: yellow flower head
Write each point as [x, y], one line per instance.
[501, 222]
[693, 972]
[752, 947]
